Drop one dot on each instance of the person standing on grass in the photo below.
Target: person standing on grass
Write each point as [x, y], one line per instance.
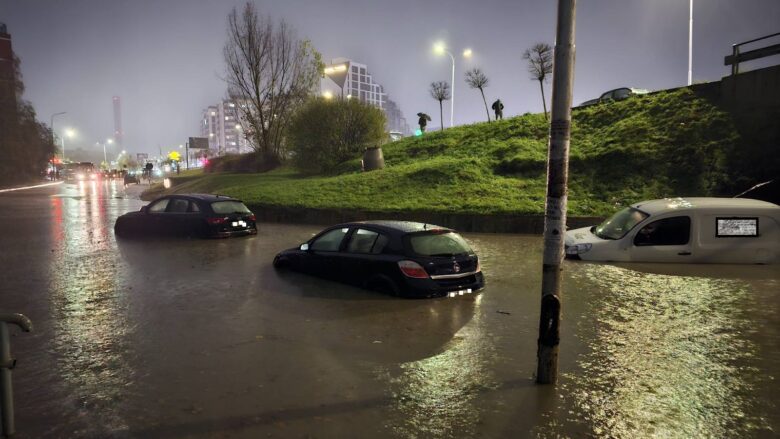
[498, 107]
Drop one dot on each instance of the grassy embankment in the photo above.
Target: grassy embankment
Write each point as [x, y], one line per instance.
[666, 144]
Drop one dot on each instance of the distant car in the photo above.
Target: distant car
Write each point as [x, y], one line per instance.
[683, 230]
[617, 94]
[130, 178]
[195, 215]
[397, 257]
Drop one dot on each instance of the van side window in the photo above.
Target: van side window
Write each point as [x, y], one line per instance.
[667, 231]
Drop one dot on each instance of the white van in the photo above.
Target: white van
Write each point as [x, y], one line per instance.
[688, 230]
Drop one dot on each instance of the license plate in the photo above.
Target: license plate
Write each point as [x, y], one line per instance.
[459, 292]
[238, 224]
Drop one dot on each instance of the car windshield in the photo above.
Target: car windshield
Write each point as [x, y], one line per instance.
[439, 244]
[620, 223]
[229, 207]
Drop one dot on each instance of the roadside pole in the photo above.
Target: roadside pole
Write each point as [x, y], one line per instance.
[555, 208]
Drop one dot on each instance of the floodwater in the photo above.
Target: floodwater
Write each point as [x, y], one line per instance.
[203, 338]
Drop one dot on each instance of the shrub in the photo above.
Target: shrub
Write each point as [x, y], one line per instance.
[326, 132]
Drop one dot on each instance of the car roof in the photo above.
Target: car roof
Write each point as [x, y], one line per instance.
[203, 197]
[745, 205]
[398, 226]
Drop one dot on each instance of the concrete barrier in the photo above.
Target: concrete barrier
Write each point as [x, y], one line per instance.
[462, 222]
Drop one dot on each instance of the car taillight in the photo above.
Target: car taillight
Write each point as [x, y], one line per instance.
[214, 221]
[479, 267]
[412, 269]
[252, 217]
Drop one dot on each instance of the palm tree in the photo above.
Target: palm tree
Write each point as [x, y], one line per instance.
[540, 64]
[476, 79]
[440, 91]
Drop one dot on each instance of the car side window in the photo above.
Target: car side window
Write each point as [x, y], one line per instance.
[330, 241]
[194, 207]
[379, 244]
[622, 93]
[159, 206]
[178, 205]
[362, 241]
[667, 231]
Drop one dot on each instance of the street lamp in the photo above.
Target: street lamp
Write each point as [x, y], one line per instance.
[51, 125]
[105, 157]
[327, 95]
[69, 132]
[440, 49]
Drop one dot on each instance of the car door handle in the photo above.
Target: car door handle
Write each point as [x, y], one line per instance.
[684, 253]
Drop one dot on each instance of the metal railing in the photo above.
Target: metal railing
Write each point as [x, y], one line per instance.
[737, 57]
[7, 363]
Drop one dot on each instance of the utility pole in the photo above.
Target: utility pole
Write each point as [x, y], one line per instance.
[555, 207]
[690, 43]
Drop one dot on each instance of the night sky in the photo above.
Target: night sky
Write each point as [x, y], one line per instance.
[164, 57]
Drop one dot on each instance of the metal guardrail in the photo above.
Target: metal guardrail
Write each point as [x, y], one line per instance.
[737, 57]
[7, 363]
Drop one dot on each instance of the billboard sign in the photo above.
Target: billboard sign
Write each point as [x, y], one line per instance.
[199, 143]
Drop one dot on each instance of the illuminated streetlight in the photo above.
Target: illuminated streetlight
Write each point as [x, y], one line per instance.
[52, 129]
[327, 95]
[68, 133]
[440, 48]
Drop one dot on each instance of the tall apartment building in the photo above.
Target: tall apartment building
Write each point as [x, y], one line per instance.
[360, 84]
[221, 123]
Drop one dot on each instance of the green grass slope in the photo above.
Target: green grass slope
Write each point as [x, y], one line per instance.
[665, 144]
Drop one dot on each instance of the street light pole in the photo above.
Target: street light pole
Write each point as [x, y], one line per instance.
[690, 44]
[51, 125]
[452, 91]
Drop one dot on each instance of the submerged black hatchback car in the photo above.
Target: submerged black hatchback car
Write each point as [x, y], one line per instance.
[196, 215]
[397, 257]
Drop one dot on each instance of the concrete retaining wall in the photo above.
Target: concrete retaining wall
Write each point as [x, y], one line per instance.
[531, 224]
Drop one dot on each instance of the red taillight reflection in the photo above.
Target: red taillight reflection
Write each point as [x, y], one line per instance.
[214, 221]
[412, 269]
[252, 217]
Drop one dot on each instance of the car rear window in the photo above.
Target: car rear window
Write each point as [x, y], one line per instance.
[229, 207]
[439, 244]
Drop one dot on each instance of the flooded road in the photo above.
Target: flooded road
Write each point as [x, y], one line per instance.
[203, 338]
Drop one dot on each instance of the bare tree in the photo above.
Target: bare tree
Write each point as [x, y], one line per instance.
[270, 73]
[440, 91]
[476, 79]
[540, 64]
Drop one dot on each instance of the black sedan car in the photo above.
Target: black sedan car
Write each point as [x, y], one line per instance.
[196, 215]
[397, 257]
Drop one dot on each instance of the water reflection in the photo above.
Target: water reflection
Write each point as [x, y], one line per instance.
[669, 356]
[435, 396]
[87, 303]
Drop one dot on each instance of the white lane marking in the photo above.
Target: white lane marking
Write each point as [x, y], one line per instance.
[30, 187]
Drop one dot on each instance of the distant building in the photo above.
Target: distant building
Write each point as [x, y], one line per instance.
[221, 123]
[396, 122]
[360, 84]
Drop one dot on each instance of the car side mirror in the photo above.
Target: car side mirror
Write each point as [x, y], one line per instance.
[305, 247]
[145, 209]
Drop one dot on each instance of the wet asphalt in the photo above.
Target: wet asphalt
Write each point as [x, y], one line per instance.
[203, 338]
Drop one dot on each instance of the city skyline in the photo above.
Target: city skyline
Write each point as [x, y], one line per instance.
[164, 59]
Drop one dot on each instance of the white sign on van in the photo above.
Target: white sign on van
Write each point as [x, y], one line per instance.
[736, 227]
